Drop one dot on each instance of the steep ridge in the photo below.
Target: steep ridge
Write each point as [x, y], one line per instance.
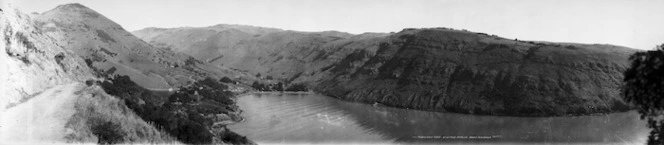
[105, 45]
[49, 56]
[436, 69]
[31, 62]
[459, 71]
[43, 99]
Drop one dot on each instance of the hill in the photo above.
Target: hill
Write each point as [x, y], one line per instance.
[49, 56]
[435, 69]
[104, 44]
[44, 100]
[268, 51]
[459, 71]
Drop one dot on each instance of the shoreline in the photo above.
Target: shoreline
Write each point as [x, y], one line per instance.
[478, 114]
[239, 114]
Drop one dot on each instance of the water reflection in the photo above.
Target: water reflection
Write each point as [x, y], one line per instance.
[293, 118]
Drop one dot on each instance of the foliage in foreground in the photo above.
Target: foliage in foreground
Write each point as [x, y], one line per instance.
[105, 119]
[187, 114]
[644, 87]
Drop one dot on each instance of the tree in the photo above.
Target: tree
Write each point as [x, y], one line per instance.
[644, 87]
[279, 87]
[297, 88]
[258, 86]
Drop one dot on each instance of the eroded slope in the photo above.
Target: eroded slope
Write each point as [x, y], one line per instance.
[436, 69]
[457, 71]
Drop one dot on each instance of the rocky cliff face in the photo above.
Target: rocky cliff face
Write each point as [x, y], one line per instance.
[31, 62]
[435, 69]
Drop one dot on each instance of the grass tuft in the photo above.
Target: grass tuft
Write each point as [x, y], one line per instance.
[104, 119]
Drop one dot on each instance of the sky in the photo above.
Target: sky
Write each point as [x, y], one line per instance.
[632, 23]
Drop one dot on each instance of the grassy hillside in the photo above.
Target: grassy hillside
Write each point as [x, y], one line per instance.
[270, 52]
[105, 45]
[48, 56]
[103, 118]
[436, 69]
[459, 71]
[197, 113]
[75, 113]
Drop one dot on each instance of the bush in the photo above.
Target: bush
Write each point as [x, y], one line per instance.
[192, 132]
[268, 87]
[190, 61]
[89, 82]
[58, 59]
[278, 87]
[107, 132]
[226, 80]
[233, 138]
[184, 113]
[258, 86]
[297, 88]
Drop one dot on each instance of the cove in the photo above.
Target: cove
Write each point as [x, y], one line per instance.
[313, 118]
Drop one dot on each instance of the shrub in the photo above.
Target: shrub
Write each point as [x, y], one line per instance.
[192, 132]
[184, 113]
[59, 57]
[226, 80]
[107, 132]
[89, 82]
[190, 61]
[233, 138]
[258, 86]
[297, 88]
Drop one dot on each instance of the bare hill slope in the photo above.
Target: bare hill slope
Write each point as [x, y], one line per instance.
[105, 44]
[44, 100]
[47, 57]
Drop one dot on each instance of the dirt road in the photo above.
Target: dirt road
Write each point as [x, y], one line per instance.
[41, 119]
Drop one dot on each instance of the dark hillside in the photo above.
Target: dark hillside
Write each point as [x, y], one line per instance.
[444, 70]
[436, 69]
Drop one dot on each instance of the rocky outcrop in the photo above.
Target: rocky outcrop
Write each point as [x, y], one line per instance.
[437, 69]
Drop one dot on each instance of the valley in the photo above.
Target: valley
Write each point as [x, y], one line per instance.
[72, 75]
[433, 69]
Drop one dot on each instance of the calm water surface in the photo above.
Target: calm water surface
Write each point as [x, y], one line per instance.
[313, 118]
